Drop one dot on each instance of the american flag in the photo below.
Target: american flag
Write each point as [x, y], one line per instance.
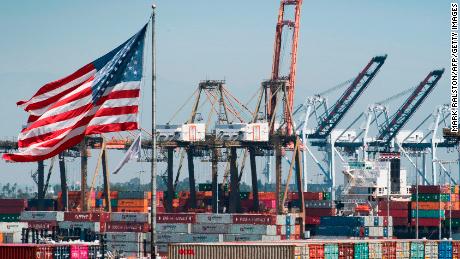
[100, 97]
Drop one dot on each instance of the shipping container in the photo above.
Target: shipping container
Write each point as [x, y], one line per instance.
[130, 217]
[403, 249]
[127, 227]
[417, 250]
[214, 218]
[42, 215]
[241, 251]
[26, 251]
[331, 251]
[257, 219]
[176, 218]
[431, 250]
[346, 250]
[11, 227]
[87, 216]
[132, 195]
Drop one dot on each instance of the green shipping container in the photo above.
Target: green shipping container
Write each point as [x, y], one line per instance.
[361, 251]
[327, 196]
[9, 217]
[204, 187]
[429, 213]
[455, 222]
[331, 251]
[431, 197]
[417, 250]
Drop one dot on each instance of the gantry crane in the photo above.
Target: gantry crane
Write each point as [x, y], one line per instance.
[330, 118]
[397, 121]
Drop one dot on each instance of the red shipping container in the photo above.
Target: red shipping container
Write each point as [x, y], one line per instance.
[29, 251]
[78, 252]
[42, 224]
[11, 210]
[426, 222]
[389, 250]
[346, 251]
[257, 219]
[176, 218]
[312, 196]
[455, 249]
[455, 214]
[312, 220]
[400, 221]
[13, 203]
[87, 216]
[435, 189]
[320, 212]
[395, 213]
[127, 227]
[396, 205]
[316, 251]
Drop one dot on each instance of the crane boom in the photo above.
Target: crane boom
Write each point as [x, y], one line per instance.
[397, 121]
[294, 25]
[330, 120]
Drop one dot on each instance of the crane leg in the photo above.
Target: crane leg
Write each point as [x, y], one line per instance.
[41, 184]
[170, 192]
[278, 157]
[84, 175]
[191, 177]
[298, 172]
[105, 175]
[65, 196]
[234, 192]
[255, 189]
[215, 186]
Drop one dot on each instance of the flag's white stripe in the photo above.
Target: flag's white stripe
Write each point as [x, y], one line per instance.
[113, 119]
[46, 110]
[37, 150]
[61, 89]
[48, 128]
[87, 99]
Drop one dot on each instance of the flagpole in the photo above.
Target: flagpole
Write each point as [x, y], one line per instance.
[153, 201]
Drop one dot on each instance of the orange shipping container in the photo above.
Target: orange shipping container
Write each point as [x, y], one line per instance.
[132, 209]
[132, 203]
[426, 205]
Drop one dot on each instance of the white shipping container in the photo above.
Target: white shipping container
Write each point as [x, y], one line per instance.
[233, 131]
[12, 227]
[130, 217]
[125, 236]
[174, 228]
[93, 226]
[189, 238]
[126, 248]
[282, 219]
[205, 228]
[254, 229]
[42, 216]
[249, 237]
[214, 218]
[192, 132]
[256, 132]
[12, 238]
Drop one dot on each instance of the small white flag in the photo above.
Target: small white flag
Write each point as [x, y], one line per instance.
[132, 153]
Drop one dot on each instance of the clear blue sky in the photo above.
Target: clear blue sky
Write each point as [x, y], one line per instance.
[45, 40]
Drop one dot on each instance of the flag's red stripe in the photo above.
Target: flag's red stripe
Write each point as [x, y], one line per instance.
[51, 135]
[30, 158]
[83, 122]
[58, 83]
[113, 127]
[51, 100]
[73, 113]
[112, 111]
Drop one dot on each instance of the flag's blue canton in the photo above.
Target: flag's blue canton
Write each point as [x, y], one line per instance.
[123, 64]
